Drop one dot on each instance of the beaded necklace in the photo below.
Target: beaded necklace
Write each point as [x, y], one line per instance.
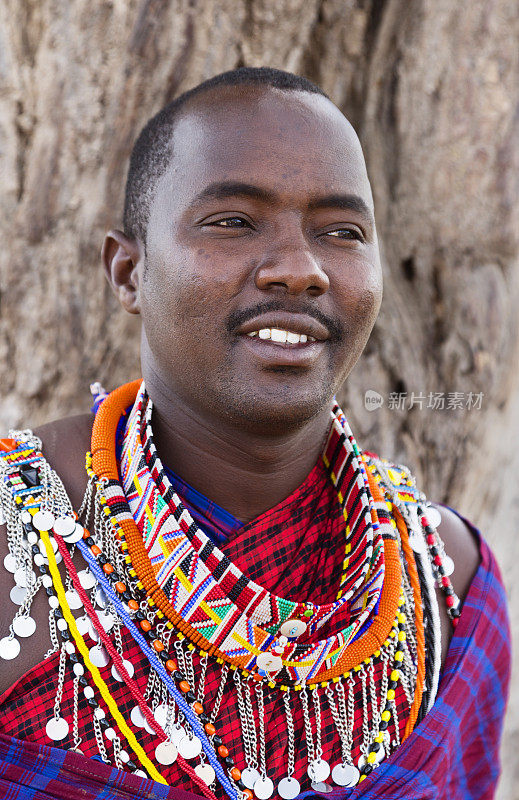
[125, 581]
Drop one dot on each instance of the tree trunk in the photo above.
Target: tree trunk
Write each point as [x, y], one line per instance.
[432, 89]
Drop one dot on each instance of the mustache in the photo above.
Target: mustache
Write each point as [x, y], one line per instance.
[334, 327]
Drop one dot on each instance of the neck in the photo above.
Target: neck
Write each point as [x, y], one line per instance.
[243, 472]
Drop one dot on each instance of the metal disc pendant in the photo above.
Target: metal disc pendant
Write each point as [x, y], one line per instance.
[73, 599]
[24, 577]
[288, 788]
[249, 777]
[101, 598]
[128, 667]
[448, 565]
[64, 526]
[433, 516]
[9, 648]
[166, 753]
[263, 788]
[83, 624]
[57, 729]
[148, 728]
[137, 717]
[320, 786]
[206, 773]
[345, 775]
[18, 595]
[10, 563]
[178, 733]
[43, 521]
[190, 747]
[107, 620]
[76, 535]
[160, 713]
[24, 626]
[86, 579]
[318, 770]
[98, 656]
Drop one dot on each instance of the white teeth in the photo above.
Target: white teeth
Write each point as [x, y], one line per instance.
[280, 336]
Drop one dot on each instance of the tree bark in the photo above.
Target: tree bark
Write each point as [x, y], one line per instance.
[432, 89]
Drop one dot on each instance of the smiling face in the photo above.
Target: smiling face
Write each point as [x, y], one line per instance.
[260, 231]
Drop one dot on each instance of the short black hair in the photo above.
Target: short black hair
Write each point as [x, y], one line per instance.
[151, 152]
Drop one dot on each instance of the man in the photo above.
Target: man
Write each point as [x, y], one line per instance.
[250, 252]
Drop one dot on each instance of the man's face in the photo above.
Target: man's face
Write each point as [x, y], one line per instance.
[263, 221]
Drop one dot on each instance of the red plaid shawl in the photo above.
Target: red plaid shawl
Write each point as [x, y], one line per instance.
[295, 550]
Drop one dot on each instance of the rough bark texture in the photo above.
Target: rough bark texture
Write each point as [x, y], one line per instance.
[432, 88]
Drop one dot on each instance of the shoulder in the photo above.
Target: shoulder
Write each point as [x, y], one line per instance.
[462, 546]
[65, 443]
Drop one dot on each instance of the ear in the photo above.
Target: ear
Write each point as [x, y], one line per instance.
[123, 261]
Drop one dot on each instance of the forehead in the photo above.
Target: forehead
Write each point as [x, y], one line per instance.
[295, 144]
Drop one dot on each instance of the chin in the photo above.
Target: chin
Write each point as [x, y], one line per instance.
[276, 411]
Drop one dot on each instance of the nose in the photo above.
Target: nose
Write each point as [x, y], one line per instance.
[291, 266]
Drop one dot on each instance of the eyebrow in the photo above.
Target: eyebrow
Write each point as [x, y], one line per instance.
[226, 189]
[349, 202]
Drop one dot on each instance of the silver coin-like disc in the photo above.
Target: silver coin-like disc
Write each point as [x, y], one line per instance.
[98, 656]
[24, 626]
[249, 776]
[73, 599]
[57, 729]
[137, 717]
[107, 620]
[92, 632]
[86, 579]
[64, 526]
[43, 520]
[53, 543]
[448, 565]
[206, 773]
[18, 595]
[9, 648]
[320, 786]
[269, 662]
[10, 563]
[190, 747]
[345, 775]
[161, 714]
[148, 728]
[288, 788]
[433, 516]
[417, 542]
[318, 770]
[128, 667]
[166, 753]
[76, 535]
[101, 598]
[26, 516]
[83, 624]
[178, 733]
[263, 788]
[24, 578]
[293, 628]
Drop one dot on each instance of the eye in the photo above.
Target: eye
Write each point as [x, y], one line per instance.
[229, 222]
[346, 233]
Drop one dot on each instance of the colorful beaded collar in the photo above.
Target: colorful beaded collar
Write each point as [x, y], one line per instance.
[202, 598]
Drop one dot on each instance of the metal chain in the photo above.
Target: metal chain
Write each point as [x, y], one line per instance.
[261, 714]
[340, 725]
[307, 724]
[244, 718]
[75, 715]
[365, 724]
[61, 681]
[201, 683]
[290, 734]
[219, 694]
[318, 731]
[252, 726]
[99, 739]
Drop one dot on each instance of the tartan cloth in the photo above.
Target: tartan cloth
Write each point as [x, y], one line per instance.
[453, 754]
[295, 549]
